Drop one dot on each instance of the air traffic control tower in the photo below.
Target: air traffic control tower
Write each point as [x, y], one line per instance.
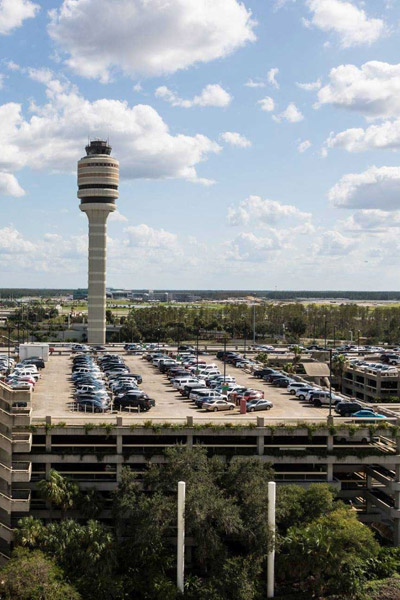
[98, 177]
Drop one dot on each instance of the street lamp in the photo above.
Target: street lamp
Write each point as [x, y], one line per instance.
[358, 341]
[334, 336]
[325, 330]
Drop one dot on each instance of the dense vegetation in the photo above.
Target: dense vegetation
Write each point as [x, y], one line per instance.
[322, 549]
[273, 322]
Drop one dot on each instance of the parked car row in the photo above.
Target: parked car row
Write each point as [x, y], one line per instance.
[23, 375]
[204, 384]
[107, 384]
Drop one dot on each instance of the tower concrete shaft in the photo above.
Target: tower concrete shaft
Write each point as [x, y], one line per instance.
[98, 177]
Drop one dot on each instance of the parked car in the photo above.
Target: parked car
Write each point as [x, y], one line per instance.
[142, 403]
[370, 417]
[92, 404]
[259, 405]
[217, 405]
[347, 409]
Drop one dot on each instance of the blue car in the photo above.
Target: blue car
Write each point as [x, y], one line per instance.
[368, 414]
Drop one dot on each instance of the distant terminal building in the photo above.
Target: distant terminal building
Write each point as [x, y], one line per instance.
[80, 294]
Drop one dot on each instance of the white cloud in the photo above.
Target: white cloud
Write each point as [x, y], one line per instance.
[373, 90]
[148, 38]
[267, 212]
[374, 188]
[271, 77]
[117, 217]
[310, 87]
[248, 247]
[374, 137]
[14, 12]
[235, 139]
[9, 186]
[267, 104]
[12, 242]
[251, 83]
[371, 221]
[143, 236]
[56, 133]
[351, 24]
[278, 4]
[137, 87]
[303, 146]
[211, 95]
[291, 114]
[334, 243]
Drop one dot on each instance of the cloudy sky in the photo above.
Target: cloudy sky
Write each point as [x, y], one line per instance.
[258, 141]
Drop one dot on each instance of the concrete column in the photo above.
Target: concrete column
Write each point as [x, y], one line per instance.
[189, 441]
[48, 436]
[97, 214]
[119, 472]
[260, 445]
[97, 276]
[329, 472]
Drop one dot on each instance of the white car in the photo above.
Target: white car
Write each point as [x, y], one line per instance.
[301, 393]
[293, 387]
[22, 372]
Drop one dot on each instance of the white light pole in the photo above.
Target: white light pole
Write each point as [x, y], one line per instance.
[271, 553]
[254, 324]
[180, 558]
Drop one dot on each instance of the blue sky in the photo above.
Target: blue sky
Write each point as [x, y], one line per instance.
[232, 174]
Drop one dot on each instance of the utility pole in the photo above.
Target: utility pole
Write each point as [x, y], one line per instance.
[271, 553]
[180, 557]
[334, 336]
[224, 357]
[197, 352]
[254, 324]
[325, 331]
[330, 382]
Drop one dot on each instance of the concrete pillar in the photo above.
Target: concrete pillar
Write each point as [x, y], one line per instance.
[189, 441]
[189, 421]
[260, 445]
[329, 472]
[48, 435]
[97, 216]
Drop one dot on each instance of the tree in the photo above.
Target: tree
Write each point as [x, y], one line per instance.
[85, 553]
[59, 491]
[262, 357]
[297, 326]
[32, 576]
[339, 366]
[328, 555]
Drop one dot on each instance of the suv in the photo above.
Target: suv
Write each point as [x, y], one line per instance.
[142, 403]
[323, 399]
[346, 409]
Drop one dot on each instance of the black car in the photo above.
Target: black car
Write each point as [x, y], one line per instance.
[142, 403]
[346, 409]
[262, 372]
[35, 360]
[283, 383]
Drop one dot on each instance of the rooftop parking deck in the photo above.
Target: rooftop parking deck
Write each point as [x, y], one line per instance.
[53, 396]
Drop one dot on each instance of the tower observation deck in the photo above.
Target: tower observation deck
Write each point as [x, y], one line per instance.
[98, 178]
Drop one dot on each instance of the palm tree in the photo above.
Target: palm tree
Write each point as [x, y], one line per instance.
[339, 366]
[59, 491]
[29, 532]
